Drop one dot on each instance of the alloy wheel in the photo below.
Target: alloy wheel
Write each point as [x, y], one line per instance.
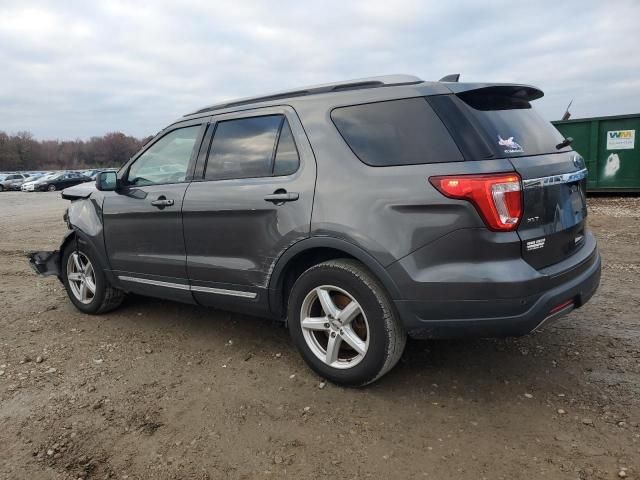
[81, 277]
[334, 327]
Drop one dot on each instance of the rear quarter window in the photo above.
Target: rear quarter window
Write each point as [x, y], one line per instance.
[395, 132]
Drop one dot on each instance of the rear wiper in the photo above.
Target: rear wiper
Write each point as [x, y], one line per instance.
[565, 143]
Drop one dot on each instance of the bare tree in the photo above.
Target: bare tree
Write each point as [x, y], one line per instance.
[22, 152]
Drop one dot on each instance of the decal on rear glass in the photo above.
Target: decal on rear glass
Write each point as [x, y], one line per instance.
[511, 145]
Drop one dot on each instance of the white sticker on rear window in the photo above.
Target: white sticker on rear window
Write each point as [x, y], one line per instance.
[511, 145]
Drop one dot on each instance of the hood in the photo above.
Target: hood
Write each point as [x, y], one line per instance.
[83, 190]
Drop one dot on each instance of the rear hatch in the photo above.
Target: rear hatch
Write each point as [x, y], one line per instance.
[499, 122]
[555, 211]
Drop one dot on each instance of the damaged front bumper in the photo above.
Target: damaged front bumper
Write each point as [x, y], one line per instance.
[45, 263]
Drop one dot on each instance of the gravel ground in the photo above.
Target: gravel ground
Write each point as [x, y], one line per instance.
[161, 390]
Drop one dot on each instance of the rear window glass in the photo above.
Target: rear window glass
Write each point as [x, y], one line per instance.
[509, 124]
[396, 132]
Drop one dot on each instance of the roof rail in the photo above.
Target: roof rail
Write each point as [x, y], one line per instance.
[371, 82]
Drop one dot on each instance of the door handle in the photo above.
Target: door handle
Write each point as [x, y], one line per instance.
[162, 202]
[281, 195]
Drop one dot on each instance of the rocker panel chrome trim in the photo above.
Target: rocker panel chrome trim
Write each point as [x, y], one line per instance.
[222, 291]
[155, 283]
[182, 286]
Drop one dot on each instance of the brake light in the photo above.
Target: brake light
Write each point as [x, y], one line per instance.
[497, 197]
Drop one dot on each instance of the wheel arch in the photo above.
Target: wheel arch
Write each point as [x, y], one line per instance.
[306, 253]
[86, 241]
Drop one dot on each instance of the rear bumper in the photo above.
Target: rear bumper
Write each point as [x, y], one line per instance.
[547, 295]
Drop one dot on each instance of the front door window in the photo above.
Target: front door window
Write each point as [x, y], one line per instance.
[167, 160]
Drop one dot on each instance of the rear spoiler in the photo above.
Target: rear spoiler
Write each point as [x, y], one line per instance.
[522, 92]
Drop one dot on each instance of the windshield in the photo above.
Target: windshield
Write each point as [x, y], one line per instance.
[509, 124]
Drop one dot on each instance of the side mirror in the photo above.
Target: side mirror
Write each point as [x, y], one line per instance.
[107, 181]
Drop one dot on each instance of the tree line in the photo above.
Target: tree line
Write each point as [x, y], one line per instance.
[22, 151]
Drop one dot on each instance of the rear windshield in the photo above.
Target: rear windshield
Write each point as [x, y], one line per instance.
[508, 124]
[395, 132]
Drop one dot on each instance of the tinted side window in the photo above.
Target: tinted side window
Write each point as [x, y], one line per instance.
[243, 148]
[396, 132]
[287, 159]
[167, 160]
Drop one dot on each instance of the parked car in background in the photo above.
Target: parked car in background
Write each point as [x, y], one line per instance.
[29, 185]
[91, 173]
[31, 178]
[93, 177]
[12, 181]
[57, 181]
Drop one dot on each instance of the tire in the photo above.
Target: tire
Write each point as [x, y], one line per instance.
[51, 188]
[380, 337]
[104, 298]
[1, 188]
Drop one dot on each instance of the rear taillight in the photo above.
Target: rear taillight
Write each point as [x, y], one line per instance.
[497, 197]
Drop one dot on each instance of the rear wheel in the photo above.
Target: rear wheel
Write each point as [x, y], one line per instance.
[51, 188]
[344, 324]
[86, 284]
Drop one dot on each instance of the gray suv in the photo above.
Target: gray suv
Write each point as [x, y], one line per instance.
[357, 212]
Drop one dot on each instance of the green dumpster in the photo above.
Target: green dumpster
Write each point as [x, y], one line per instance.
[610, 150]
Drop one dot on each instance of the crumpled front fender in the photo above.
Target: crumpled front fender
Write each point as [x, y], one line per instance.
[83, 217]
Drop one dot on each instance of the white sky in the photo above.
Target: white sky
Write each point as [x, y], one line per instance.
[73, 69]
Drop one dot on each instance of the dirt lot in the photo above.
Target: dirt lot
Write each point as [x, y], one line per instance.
[162, 390]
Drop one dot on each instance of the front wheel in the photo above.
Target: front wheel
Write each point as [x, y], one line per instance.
[51, 188]
[85, 282]
[343, 323]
